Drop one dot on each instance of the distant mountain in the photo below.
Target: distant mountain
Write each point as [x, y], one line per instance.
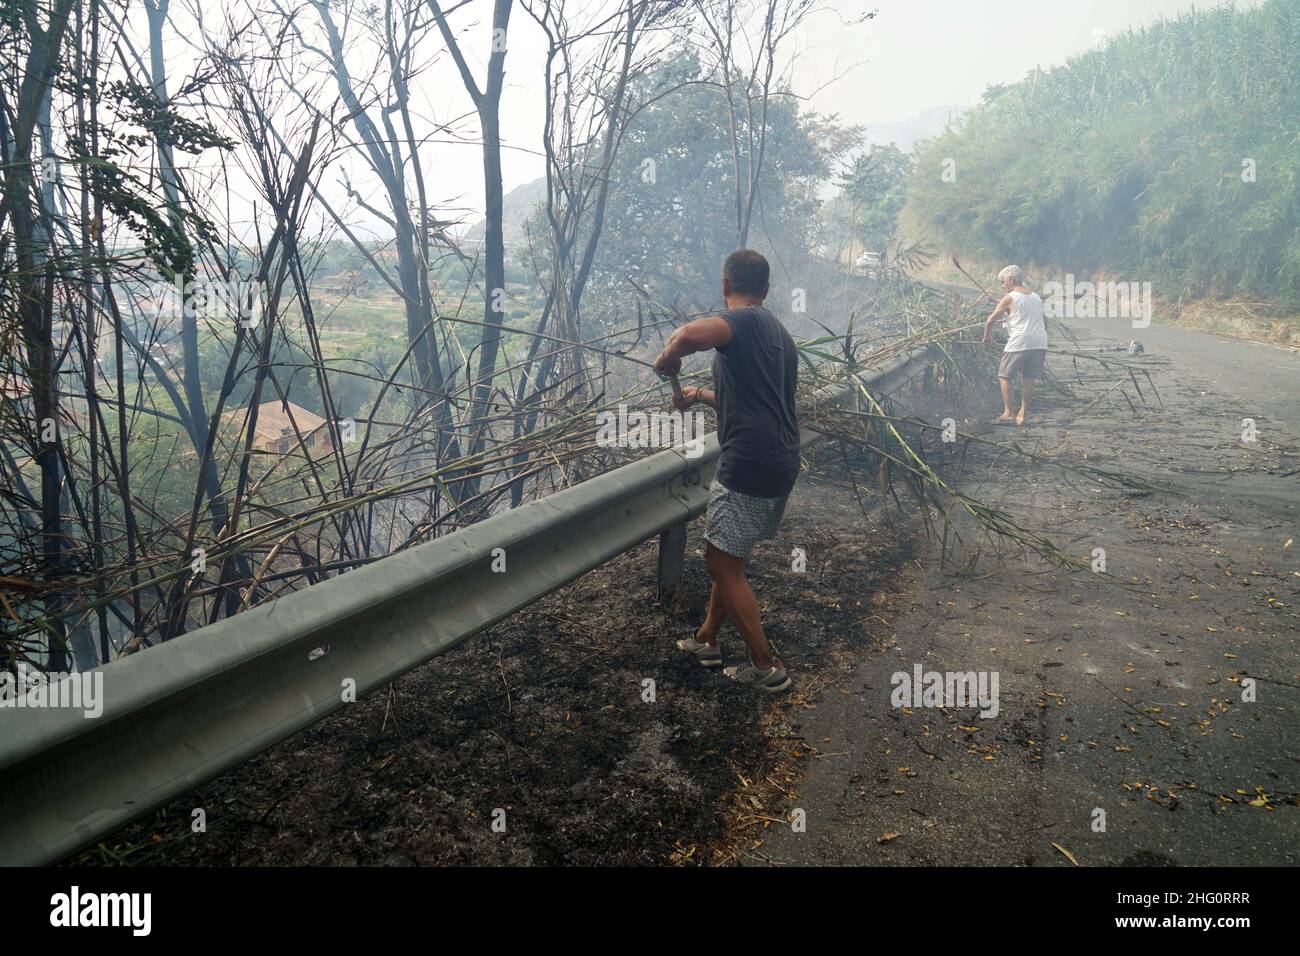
[905, 133]
[517, 205]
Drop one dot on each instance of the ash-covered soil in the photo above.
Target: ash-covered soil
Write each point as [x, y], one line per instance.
[545, 717]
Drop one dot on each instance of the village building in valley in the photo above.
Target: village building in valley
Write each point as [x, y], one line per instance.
[281, 427]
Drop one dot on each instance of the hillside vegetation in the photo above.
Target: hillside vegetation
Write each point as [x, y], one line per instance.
[1171, 154]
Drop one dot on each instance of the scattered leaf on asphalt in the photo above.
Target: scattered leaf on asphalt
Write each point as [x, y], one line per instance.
[1068, 855]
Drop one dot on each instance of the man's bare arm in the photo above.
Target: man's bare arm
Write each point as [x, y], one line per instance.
[1002, 307]
[698, 336]
[703, 395]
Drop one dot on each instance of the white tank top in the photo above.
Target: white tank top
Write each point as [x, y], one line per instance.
[1025, 329]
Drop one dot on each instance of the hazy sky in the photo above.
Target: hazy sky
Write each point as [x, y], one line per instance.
[919, 54]
[914, 55]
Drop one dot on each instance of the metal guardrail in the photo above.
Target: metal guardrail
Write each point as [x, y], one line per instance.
[186, 711]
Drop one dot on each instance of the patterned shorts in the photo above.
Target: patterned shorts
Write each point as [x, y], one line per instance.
[735, 523]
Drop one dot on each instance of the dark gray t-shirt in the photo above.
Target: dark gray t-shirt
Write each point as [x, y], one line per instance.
[754, 378]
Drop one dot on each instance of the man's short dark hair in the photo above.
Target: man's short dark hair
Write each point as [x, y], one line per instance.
[747, 271]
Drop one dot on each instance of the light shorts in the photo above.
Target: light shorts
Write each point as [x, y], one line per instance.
[1028, 363]
[734, 523]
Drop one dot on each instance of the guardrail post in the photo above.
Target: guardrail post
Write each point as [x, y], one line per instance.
[672, 555]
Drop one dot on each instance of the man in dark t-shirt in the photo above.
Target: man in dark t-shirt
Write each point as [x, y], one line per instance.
[755, 371]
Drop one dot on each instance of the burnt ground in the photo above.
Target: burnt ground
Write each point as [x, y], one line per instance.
[1119, 693]
[543, 716]
[1125, 736]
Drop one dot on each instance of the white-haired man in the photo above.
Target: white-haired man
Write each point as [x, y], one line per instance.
[1026, 349]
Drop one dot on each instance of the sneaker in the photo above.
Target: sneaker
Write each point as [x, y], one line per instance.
[770, 680]
[710, 655]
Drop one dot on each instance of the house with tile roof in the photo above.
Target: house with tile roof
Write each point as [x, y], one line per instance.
[278, 426]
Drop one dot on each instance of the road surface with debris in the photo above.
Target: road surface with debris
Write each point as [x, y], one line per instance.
[1125, 733]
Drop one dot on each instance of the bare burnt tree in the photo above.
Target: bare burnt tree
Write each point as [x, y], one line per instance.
[592, 63]
[743, 45]
[26, 212]
[378, 107]
[69, 399]
[487, 104]
[159, 506]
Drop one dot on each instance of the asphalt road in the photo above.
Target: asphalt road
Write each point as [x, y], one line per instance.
[1122, 736]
